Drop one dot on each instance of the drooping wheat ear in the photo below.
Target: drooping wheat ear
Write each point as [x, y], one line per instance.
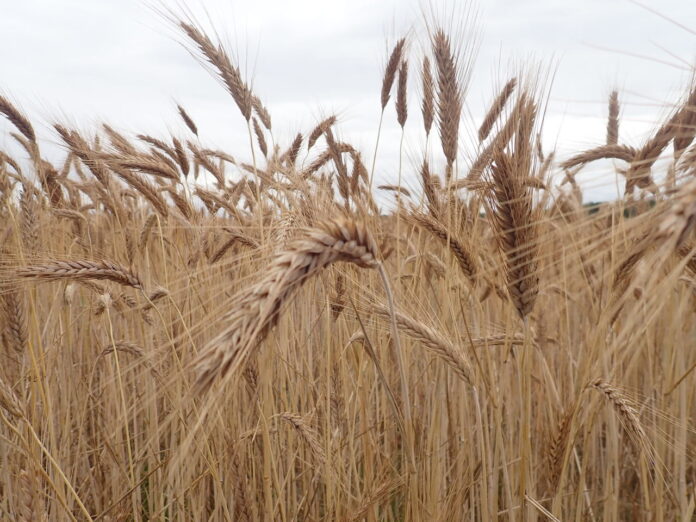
[159, 144]
[359, 173]
[560, 439]
[515, 221]
[145, 232]
[395, 188]
[433, 341]
[622, 152]
[187, 119]
[261, 112]
[30, 495]
[256, 309]
[235, 237]
[626, 412]
[464, 258]
[428, 105]
[9, 400]
[639, 171]
[496, 108]
[15, 315]
[180, 156]
[688, 252]
[290, 155]
[154, 296]
[4, 158]
[150, 165]
[82, 150]
[308, 434]
[338, 299]
[118, 140]
[181, 201]
[203, 160]
[429, 190]
[613, 120]
[260, 138]
[28, 223]
[401, 95]
[145, 188]
[320, 129]
[680, 219]
[77, 270]
[378, 496]
[48, 176]
[449, 97]
[17, 119]
[391, 70]
[122, 346]
[625, 271]
[229, 74]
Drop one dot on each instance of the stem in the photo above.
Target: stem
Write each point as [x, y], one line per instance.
[398, 209]
[59, 471]
[258, 181]
[374, 157]
[123, 399]
[525, 432]
[408, 428]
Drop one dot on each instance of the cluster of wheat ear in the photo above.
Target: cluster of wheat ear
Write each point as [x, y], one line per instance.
[186, 335]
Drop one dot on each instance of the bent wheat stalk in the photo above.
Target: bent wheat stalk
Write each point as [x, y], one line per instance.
[464, 258]
[433, 341]
[627, 413]
[257, 309]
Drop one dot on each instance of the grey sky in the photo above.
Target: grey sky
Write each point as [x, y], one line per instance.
[118, 61]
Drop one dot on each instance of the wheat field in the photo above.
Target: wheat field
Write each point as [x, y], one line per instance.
[196, 334]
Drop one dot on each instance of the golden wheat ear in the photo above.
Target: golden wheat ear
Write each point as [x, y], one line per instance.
[17, 119]
[449, 97]
[255, 310]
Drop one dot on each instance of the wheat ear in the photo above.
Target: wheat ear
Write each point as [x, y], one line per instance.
[433, 341]
[58, 270]
[449, 98]
[17, 119]
[496, 109]
[256, 309]
[463, 256]
[613, 120]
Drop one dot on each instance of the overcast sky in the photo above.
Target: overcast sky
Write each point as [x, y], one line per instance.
[88, 61]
